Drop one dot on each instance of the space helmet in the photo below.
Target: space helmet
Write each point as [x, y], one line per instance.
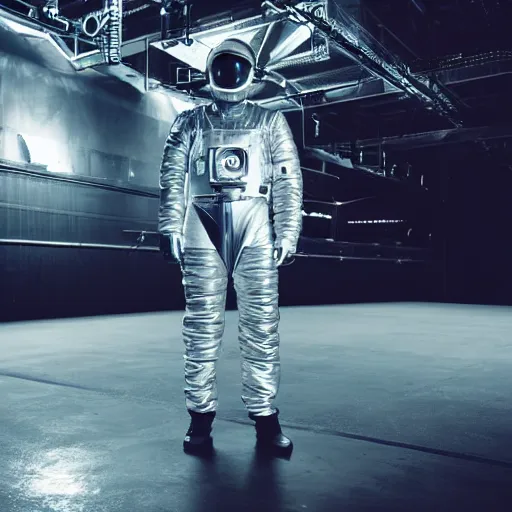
[230, 68]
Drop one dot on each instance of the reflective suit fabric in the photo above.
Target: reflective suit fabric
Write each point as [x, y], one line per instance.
[247, 254]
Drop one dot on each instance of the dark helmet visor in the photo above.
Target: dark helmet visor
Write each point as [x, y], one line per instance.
[230, 71]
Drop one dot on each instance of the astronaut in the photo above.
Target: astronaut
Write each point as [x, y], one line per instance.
[231, 205]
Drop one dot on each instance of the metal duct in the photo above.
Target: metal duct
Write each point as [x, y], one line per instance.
[318, 54]
[318, 50]
[288, 37]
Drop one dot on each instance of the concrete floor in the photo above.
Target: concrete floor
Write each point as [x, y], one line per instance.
[392, 407]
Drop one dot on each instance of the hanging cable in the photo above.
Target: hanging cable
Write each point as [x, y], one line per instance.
[303, 124]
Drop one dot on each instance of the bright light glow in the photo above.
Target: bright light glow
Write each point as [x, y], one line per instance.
[315, 214]
[58, 479]
[48, 152]
[382, 221]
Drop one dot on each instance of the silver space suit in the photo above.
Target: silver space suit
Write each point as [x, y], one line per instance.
[231, 197]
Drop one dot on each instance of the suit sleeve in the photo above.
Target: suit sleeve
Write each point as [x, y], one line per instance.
[287, 182]
[173, 171]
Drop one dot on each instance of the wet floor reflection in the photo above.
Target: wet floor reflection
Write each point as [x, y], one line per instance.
[61, 480]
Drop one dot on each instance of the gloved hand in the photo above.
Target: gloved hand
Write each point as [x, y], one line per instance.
[176, 244]
[172, 245]
[283, 250]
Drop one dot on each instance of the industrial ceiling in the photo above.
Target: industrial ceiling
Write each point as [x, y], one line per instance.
[387, 72]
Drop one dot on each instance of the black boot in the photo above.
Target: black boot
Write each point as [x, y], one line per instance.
[198, 440]
[270, 440]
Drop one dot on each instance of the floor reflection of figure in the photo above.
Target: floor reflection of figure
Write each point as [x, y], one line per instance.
[215, 486]
[221, 484]
[263, 487]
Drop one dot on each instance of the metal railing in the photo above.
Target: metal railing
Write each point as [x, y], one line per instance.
[155, 249]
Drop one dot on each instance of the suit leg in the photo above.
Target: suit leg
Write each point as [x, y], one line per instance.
[256, 284]
[205, 283]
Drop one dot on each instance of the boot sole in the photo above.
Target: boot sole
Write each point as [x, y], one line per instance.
[204, 449]
[270, 450]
